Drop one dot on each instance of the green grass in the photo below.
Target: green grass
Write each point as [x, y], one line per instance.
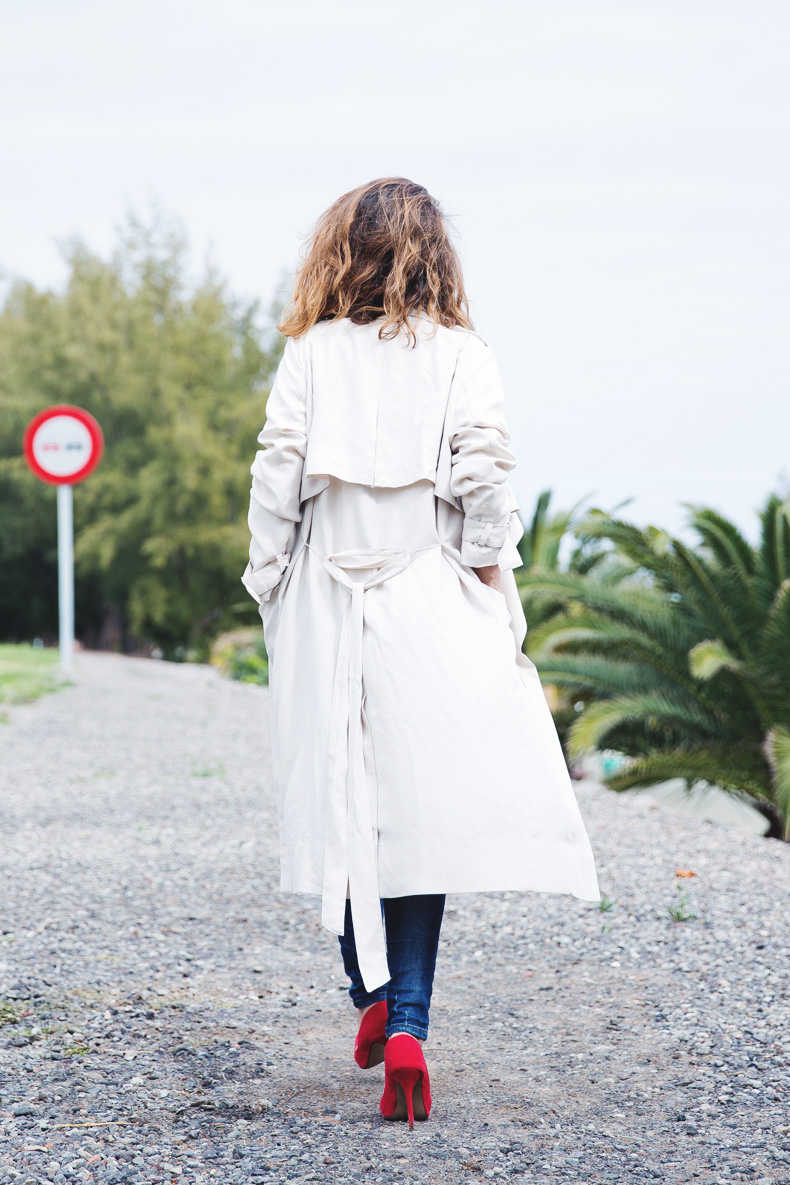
[680, 910]
[209, 771]
[26, 672]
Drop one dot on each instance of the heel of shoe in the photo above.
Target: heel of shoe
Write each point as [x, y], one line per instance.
[405, 1082]
[407, 1087]
[371, 1039]
[376, 1055]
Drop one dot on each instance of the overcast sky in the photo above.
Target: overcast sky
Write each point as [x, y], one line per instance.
[616, 170]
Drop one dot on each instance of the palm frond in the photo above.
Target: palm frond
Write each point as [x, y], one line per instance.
[664, 661]
[775, 640]
[600, 719]
[541, 542]
[777, 750]
[645, 547]
[631, 614]
[593, 674]
[563, 628]
[775, 539]
[541, 510]
[703, 586]
[528, 541]
[707, 658]
[725, 541]
[714, 600]
[638, 604]
[733, 768]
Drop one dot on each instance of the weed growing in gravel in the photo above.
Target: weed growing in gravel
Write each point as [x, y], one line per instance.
[78, 1050]
[606, 904]
[208, 771]
[679, 909]
[12, 1011]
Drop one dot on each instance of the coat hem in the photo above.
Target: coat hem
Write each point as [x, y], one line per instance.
[544, 868]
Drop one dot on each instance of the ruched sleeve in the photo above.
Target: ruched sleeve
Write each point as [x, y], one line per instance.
[481, 459]
[277, 475]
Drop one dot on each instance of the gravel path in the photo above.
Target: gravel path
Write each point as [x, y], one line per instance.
[168, 1016]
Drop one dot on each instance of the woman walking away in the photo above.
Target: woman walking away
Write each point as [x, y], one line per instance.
[414, 752]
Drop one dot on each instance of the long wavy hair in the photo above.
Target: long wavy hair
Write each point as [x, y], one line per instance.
[382, 250]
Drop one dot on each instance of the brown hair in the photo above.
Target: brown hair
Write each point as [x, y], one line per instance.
[380, 250]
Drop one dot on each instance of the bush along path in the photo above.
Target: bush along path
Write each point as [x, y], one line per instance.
[167, 1015]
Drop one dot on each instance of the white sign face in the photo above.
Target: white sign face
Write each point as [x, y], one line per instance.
[62, 446]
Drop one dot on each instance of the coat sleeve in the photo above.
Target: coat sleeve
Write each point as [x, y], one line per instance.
[277, 475]
[481, 459]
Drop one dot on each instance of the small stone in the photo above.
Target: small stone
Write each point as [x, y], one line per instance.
[23, 1109]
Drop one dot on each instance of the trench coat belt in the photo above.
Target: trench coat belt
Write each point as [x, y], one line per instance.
[350, 856]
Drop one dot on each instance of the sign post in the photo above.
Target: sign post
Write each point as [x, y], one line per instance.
[65, 575]
[63, 445]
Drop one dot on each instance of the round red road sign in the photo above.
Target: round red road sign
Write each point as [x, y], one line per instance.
[63, 444]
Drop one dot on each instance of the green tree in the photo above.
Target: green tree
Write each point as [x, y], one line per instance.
[177, 374]
[556, 541]
[547, 533]
[682, 660]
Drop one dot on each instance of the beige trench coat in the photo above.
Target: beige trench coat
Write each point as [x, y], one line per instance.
[414, 751]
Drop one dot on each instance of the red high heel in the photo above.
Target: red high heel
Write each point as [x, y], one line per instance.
[407, 1087]
[370, 1042]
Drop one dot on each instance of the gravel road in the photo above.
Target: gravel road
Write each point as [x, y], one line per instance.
[167, 1015]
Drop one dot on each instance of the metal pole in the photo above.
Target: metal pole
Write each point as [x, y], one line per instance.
[66, 576]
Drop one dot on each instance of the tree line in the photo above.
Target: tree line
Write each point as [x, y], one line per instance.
[176, 371]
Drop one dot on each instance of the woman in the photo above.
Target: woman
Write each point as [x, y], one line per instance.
[414, 753]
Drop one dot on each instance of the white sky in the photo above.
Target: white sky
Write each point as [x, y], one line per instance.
[617, 171]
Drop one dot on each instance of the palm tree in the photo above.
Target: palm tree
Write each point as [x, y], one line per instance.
[680, 654]
[541, 544]
[554, 541]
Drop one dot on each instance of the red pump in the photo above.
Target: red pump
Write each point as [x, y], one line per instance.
[407, 1087]
[370, 1042]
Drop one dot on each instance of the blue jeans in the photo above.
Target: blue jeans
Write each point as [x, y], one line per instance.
[412, 926]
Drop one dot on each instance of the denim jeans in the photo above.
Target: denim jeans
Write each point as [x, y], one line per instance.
[412, 926]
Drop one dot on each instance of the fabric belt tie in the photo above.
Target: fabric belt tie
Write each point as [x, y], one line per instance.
[350, 852]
